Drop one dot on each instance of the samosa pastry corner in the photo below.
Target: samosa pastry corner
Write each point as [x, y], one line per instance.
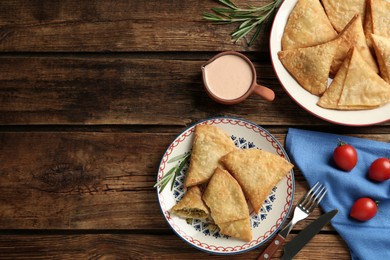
[380, 17]
[227, 204]
[209, 145]
[330, 98]
[340, 12]
[225, 198]
[352, 36]
[382, 50]
[191, 205]
[363, 88]
[310, 66]
[257, 171]
[307, 25]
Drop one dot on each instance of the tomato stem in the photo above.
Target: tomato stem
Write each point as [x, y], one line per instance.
[341, 142]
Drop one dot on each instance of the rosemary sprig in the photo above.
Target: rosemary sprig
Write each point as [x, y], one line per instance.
[173, 172]
[250, 18]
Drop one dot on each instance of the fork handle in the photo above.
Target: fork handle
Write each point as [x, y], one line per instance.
[276, 243]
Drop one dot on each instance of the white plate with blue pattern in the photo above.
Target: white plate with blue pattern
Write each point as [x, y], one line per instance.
[273, 213]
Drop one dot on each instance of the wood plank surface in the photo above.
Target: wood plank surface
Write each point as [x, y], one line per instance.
[91, 95]
[137, 246]
[101, 26]
[87, 91]
[125, 91]
[87, 180]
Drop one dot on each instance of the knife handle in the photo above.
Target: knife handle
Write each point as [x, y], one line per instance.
[276, 243]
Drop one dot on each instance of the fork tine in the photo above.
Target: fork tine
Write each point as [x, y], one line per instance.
[318, 198]
[303, 199]
[313, 197]
[309, 202]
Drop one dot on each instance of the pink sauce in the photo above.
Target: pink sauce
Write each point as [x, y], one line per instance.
[228, 77]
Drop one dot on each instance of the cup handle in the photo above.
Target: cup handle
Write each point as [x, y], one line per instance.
[264, 92]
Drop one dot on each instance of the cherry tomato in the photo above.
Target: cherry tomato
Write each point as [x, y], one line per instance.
[345, 156]
[364, 209]
[380, 170]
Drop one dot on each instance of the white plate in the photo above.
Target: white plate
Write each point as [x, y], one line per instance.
[273, 213]
[304, 98]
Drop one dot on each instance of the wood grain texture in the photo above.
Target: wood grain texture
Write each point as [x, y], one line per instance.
[124, 91]
[91, 95]
[86, 180]
[87, 91]
[101, 26]
[138, 246]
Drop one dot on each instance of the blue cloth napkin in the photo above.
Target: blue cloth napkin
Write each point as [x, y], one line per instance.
[312, 153]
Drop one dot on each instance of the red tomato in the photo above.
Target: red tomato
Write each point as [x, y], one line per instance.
[345, 156]
[364, 209]
[380, 170]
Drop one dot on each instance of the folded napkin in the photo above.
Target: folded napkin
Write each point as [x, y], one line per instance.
[312, 153]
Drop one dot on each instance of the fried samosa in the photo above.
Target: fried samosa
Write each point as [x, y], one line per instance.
[331, 96]
[191, 205]
[380, 16]
[341, 12]
[352, 35]
[307, 26]
[239, 229]
[310, 66]
[225, 198]
[382, 50]
[209, 145]
[257, 171]
[362, 88]
[227, 204]
[367, 26]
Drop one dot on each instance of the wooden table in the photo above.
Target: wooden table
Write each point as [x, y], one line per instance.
[91, 95]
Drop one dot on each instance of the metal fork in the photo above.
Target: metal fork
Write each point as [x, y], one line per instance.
[303, 209]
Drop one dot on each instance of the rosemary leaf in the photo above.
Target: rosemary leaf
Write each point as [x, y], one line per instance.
[244, 24]
[173, 172]
[179, 168]
[162, 187]
[211, 17]
[249, 18]
[179, 157]
[221, 10]
[256, 34]
[166, 177]
[242, 32]
[228, 3]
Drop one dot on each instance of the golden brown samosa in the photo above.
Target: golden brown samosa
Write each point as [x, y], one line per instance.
[227, 204]
[363, 88]
[340, 12]
[310, 66]
[331, 96]
[382, 50]
[306, 26]
[238, 228]
[367, 26]
[191, 205]
[380, 16]
[225, 198]
[209, 145]
[257, 171]
[352, 35]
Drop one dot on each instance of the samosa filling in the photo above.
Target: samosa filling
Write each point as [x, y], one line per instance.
[192, 212]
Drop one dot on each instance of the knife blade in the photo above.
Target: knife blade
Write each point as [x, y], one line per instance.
[295, 245]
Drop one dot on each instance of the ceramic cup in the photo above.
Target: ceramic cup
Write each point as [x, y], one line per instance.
[230, 77]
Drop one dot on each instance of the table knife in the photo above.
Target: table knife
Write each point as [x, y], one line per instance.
[293, 247]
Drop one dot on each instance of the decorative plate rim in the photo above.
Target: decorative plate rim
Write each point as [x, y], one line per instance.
[303, 98]
[255, 243]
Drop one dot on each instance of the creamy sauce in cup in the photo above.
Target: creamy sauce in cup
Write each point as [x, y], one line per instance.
[228, 77]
